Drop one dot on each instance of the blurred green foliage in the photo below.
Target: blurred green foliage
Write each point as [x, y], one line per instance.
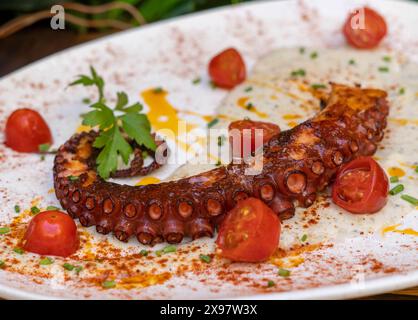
[152, 10]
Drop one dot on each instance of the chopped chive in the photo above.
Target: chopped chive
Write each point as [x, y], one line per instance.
[218, 163]
[72, 178]
[19, 250]
[270, 284]
[44, 147]
[42, 157]
[394, 179]
[383, 69]
[46, 261]
[4, 230]
[17, 208]
[68, 266]
[387, 58]
[51, 208]
[86, 100]
[2, 263]
[169, 249]
[205, 258]
[159, 253]
[318, 86]
[304, 238]
[302, 50]
[314, 55]
[299, 72]
[401, 91]
[284, 272]
[221, 140]
[213, 85]
[416, 169]
[248, 89]
[158, 90]
[410, 199]
[78, 269]
[197, 80]
[396, 190]
[213, 122]
[351, 61]
[249, 106]
[108, 284]
[143, 252]
[35, 210]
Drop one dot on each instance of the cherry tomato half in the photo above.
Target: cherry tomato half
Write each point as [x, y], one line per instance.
[248, 137]
[26, 130]
[249, 233]
[370, 34]
[227, 69]
[361, 186]
[51, 233]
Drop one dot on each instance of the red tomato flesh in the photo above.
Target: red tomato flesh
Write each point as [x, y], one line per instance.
[244, 131]
[51, 233]
[370, 35]
[26, 130]
[249, 233]
[227, 69]
[361, 186]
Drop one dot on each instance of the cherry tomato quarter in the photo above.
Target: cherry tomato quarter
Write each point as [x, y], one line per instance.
[26, 130]
[361, 186]
[364, 28]
[51, 233]
[227, 69]
[250, 232]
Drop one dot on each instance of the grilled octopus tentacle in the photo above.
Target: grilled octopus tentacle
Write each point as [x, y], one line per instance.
[296, 165]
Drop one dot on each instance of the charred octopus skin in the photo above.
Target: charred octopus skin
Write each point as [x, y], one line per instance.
[296, 165]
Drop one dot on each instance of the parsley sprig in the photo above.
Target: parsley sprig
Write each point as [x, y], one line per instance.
[117, 126]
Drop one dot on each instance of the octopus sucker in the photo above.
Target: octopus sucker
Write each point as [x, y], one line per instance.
[297, 163]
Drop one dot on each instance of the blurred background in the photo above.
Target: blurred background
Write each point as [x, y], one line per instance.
[26, 35]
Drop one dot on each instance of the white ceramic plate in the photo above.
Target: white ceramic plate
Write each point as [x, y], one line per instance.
[171, 54]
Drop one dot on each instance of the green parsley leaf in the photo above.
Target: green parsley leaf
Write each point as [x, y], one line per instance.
[122, 100]
[115, 130]
[270, 284]
[51, 208]
[138, 127]
[94, 80]
[2, 264]
[143, 252]
[114, 144]
[102, 117]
